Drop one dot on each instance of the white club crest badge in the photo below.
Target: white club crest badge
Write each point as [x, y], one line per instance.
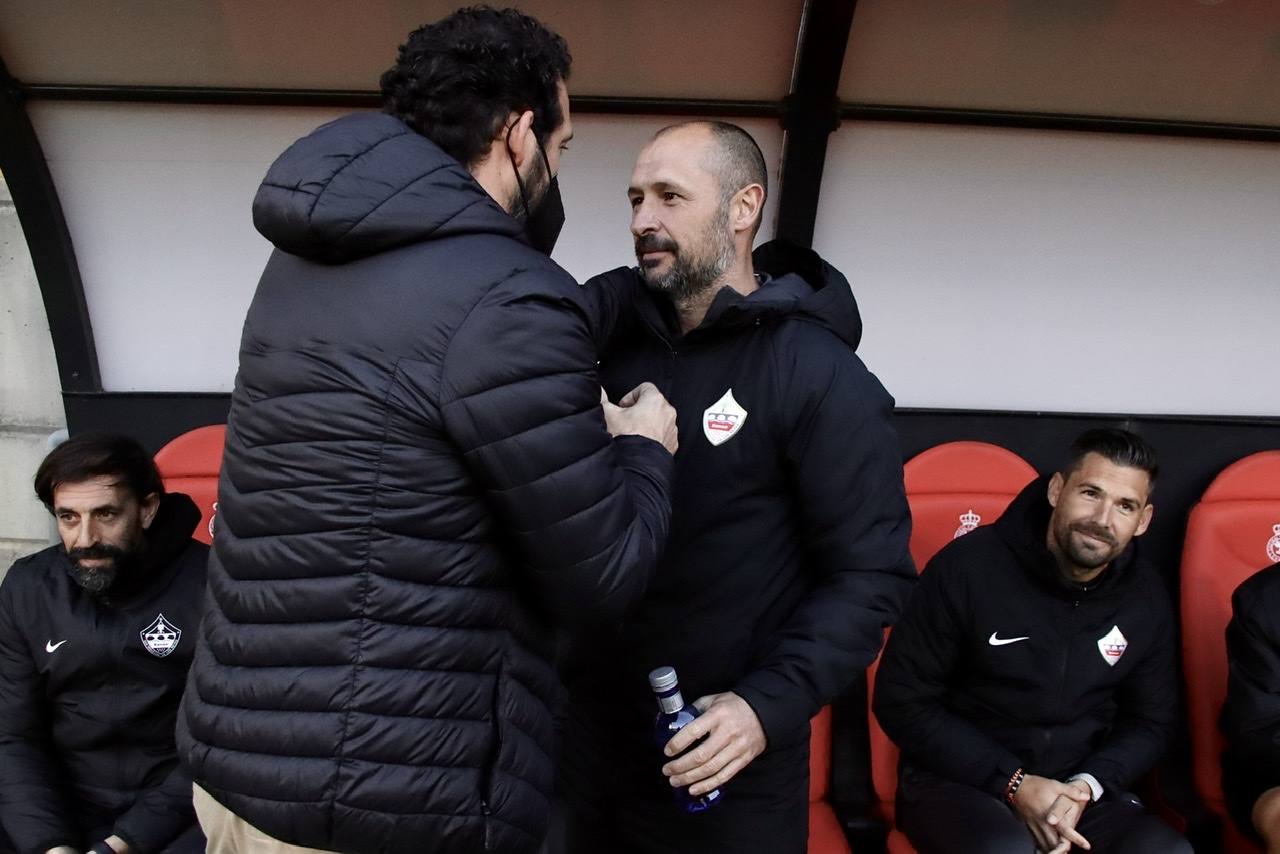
[1112, 645]
[723, 419]
[213, 517]
[161, 637]
[1273, 544]
[968, 521]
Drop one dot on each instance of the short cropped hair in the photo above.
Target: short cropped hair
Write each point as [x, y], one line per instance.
[736, 159]
[455, 81]
[1115, 445]
[86, 457]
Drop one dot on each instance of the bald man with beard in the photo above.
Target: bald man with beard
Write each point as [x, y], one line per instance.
[788, 550]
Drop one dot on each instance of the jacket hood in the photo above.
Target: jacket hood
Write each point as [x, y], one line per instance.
[796, 282]
[1023, 527]
[366, 183]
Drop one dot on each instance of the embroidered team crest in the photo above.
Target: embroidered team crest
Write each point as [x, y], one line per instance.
[161, 637]
[213, 517]
[1112, 645]
[1273, 545]
[968, 521]
[723, 419]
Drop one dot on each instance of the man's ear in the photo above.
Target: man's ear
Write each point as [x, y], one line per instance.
[150, 505]
[1145, 521]
[1055, 488]
[520, 139]
[747, 207]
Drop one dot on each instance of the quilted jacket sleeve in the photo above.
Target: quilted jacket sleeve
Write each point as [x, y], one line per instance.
[32, 809]
[586, 514]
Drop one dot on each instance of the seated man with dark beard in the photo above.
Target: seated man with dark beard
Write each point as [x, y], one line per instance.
[95, 642]
[789, 526]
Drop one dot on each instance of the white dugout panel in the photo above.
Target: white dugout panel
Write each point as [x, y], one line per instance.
[157, 200]
[1054, 271]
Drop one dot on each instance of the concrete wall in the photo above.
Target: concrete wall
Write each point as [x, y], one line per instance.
[30, 394]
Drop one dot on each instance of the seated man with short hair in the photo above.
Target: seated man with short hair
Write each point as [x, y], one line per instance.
[95, 641]
[1251, 716]
[1032, 679]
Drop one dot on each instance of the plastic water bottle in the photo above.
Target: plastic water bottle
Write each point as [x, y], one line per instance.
[673, 716]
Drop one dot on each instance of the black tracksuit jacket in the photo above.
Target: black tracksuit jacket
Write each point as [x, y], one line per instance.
[964, 702]
[1251, 715]
[88, 702]
[788, 548]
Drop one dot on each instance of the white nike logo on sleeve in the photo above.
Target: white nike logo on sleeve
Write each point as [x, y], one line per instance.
[50, 646]
[995, 641]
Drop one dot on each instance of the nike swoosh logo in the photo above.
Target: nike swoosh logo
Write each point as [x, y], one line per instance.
[995, 641]
[50, 646]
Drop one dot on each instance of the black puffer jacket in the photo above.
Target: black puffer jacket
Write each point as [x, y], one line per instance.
[89, 689]
[1000, 663]
[417, 480]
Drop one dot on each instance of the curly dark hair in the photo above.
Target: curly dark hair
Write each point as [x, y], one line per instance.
[456, 81]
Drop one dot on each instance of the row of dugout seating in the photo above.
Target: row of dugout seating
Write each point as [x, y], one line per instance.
[1233, 532]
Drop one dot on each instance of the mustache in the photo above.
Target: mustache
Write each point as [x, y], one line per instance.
[654, 243]
[1093, 530]
[96, 553]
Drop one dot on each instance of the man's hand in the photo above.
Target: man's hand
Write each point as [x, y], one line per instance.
[734, 738]
[118, 845]
[1045, 807]
[62, 849]
[643, 411]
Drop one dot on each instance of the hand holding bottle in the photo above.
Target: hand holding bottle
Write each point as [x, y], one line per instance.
[734, 737]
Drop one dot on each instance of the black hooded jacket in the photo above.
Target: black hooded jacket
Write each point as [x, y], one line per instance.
[1251, 714]
[788, 550]
[999, 662]
[89, 690]
[417, 481]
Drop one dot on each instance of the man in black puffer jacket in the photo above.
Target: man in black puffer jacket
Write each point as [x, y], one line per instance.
[96, 636]
[1032, 678]
[418, 478]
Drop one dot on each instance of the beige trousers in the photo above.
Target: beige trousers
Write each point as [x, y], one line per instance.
[228, 833]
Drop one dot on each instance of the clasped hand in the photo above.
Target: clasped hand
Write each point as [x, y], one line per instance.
[1050, 810]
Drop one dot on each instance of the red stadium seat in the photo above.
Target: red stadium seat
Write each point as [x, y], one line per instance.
[952, 488]
[1233, 532]
[190, 463]
[826, 835]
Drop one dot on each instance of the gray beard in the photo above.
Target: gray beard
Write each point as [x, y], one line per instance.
[687, 279]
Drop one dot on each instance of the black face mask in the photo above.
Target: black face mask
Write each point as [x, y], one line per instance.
[542, 224]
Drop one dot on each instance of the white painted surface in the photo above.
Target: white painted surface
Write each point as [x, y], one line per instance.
[30, 393]
[1035, 270]
[157, 199]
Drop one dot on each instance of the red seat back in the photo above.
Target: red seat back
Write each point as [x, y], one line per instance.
[826, 836]
[190, 463]
[952, 488]
[1233, 532]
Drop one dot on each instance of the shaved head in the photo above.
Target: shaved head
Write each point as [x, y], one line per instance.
[731, 155]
